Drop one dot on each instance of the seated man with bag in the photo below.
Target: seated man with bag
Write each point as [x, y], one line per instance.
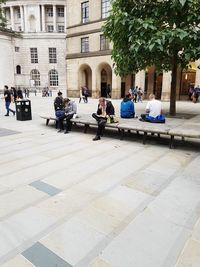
[105, 112]
[153, 111]
[67, 114]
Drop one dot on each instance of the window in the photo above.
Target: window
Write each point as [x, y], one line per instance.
[34, 55]
[61, 28]
[18, 69]
[60, 12]
[84, 44]
[105, 8]
[52, 55]
[85, 12]
[35, 76]
[104, 43]
[50, 11]
[18, 13]
[50, 28]
[16, 48]
[53, 78]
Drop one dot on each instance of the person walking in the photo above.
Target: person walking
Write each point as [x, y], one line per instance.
[8, 99]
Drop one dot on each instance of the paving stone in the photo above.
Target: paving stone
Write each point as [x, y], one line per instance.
[190, 256]
[18, 261]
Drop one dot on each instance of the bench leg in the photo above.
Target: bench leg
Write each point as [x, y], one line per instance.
[129, 131]
[183, 138]
[47, 122]
[137, 132]
[158, 136]
[144, 138]
[122, 134]
[86, 128]
[171, 144]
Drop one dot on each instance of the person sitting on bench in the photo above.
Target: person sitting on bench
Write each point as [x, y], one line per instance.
[105, 109]
[127, 109]
[70, 109]
[153, 111]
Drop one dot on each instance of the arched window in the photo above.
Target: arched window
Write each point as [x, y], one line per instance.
[35, 76]
[18, 69]
[53, 78]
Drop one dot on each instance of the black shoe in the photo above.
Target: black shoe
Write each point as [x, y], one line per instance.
[59, 131]
[141, 119]
[66, 132]
[6, 115]
[96, 138]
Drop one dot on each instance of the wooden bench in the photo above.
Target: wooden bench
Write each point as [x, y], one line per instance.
[173, 127]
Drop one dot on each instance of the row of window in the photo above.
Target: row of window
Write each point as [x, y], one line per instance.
[105, 10]
[60, 12]
[49, 12]
[104, 44]
[52, 55]
[35, 76]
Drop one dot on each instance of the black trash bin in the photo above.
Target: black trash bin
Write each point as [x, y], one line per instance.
[23, 110]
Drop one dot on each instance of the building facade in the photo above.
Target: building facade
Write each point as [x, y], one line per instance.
[89, 60]
[37, 53]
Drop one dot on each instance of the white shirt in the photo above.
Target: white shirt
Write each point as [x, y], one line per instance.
[154, 106]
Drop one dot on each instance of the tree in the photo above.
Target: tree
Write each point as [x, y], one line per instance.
[163, 33]
[2, 17]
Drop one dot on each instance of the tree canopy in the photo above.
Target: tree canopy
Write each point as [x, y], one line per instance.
[2, 17]
[163, 33]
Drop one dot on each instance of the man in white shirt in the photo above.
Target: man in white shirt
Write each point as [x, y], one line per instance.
[153, 111]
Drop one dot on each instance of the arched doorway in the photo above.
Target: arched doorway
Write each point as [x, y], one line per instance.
[85, 77]
[105, 79]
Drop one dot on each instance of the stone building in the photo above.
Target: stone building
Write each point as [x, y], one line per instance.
[36, 56]
[89, 60]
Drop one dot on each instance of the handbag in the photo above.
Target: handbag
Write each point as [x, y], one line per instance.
[59, 113]
[111, 119]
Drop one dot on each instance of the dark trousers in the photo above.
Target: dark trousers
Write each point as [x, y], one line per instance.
[101, 123]
[68, 124]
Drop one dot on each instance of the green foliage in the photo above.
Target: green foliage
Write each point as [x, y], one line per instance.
[2, 17]
[153, 32]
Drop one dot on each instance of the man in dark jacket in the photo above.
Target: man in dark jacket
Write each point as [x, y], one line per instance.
[105, 109]
[127, 109]
[58, 102]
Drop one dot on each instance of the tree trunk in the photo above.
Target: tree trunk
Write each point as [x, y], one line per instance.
[172, 111]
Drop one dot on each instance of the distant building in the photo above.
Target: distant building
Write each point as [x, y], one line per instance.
[61, 45]
[36, 58]
[89, 60]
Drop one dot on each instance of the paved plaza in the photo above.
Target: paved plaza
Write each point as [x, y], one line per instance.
[68, 201]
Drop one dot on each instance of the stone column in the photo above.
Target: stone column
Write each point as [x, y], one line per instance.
[116, 86]
[22, 18]
[140, 79]
[65, 17]
[43, 18]
[12, 18]
[25, 20]
[54, 18]
[166, 86]
[95, 91]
